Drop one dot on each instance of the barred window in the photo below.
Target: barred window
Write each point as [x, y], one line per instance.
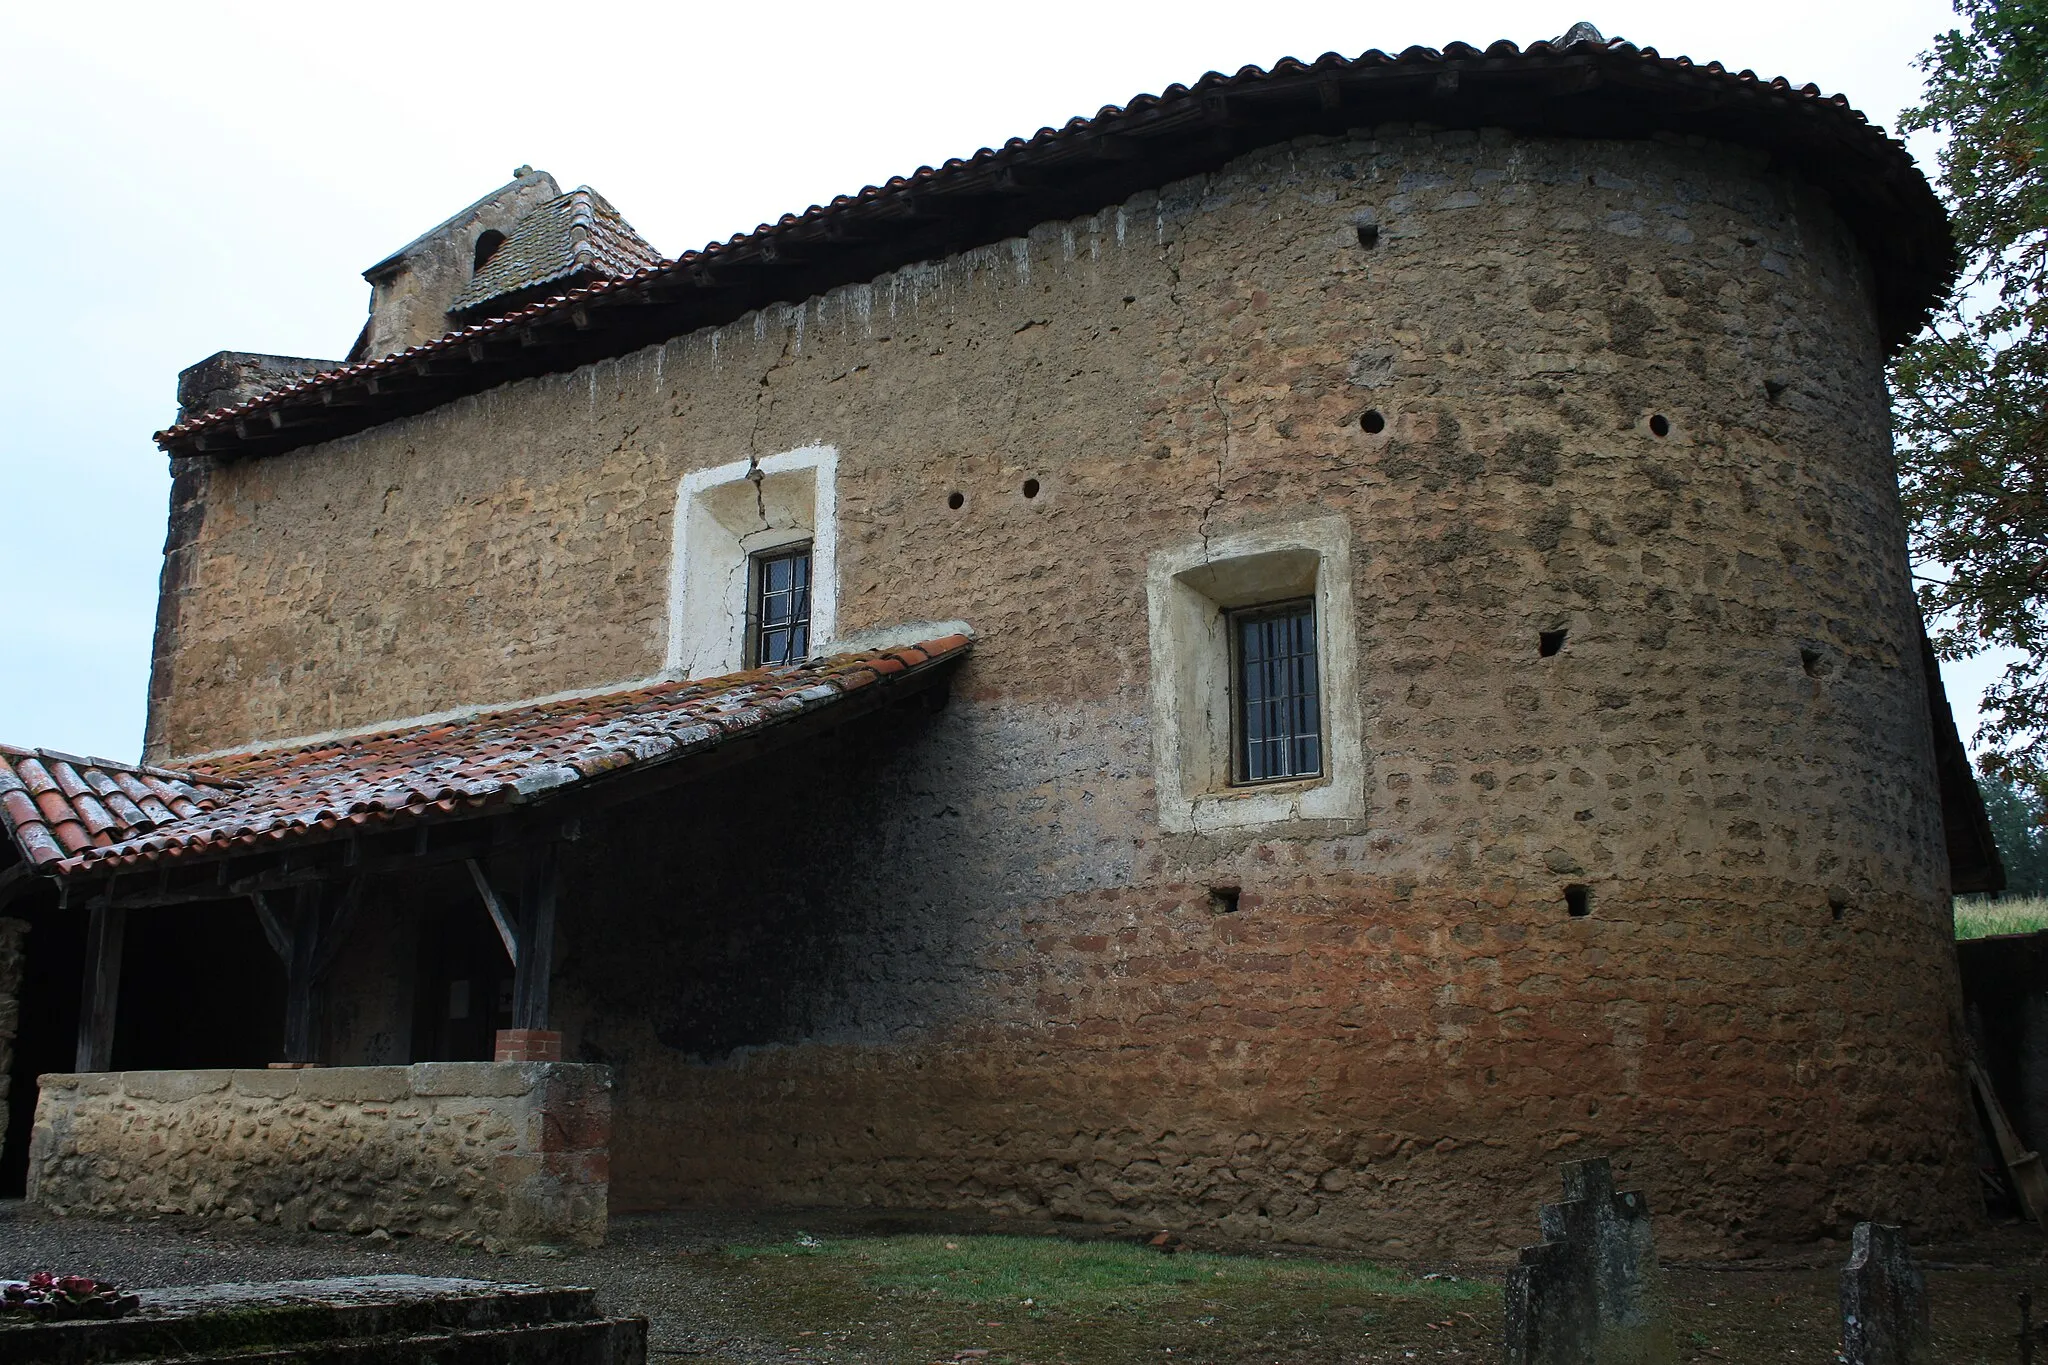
[1278, 711]
[779, 628]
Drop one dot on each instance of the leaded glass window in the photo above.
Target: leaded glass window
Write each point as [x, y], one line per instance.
[1278, 705]
[779, 625]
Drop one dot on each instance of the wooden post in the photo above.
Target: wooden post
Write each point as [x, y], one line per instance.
[507, 925]
[536, 936]
[102, 990]
[300, 976]
[307, 940]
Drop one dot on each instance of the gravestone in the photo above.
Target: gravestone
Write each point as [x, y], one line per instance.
[1884, 1300]
[1590, 1293]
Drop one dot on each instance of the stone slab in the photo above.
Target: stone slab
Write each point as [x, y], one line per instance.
[370, 1318]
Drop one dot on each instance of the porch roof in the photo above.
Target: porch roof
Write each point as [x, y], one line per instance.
[73, 816]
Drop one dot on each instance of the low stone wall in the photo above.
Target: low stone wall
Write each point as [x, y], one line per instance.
[500, 1155]
[13, 964]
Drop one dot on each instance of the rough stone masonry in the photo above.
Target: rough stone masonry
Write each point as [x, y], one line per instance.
[495, 1155]
[1675, 886]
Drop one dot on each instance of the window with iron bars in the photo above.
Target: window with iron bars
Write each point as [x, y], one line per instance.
[779, 606]
[1278, 709]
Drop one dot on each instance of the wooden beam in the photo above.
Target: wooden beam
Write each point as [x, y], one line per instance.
[299, 998]
[102, 991]
[507, 933]
[309, 938]
[537, 892]
[334, 933]
[1017, 180]
[280, 938]
[278, 877]
[1113, 146]
[2029, 1183]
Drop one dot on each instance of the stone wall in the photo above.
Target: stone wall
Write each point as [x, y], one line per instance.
[228, 378]
[500, 1156]
[1632, 391]
[13, 966]
[1351, 1058]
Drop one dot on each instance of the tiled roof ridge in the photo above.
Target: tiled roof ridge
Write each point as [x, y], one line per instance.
[587, 204]
[1101, 124]
[497, 758]
[567, 239]
[453, 715]
[487, 712]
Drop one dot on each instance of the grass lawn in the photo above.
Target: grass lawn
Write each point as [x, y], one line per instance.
[1011, 1300]
[1980, 916]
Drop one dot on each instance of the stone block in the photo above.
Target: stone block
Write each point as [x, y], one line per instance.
[1884, 1300]
[356, 1083]
[170, 1087]
[265, 1084]
[81, 1082]
[469, 1079]
[1591, 1292]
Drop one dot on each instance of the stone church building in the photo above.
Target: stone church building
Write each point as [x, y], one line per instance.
[1278, 659]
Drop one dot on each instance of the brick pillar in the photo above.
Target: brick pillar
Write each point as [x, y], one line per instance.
[528, 1045]
[13, 968]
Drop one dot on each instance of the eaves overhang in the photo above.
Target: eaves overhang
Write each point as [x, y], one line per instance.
[1583, 88]
[260, 819]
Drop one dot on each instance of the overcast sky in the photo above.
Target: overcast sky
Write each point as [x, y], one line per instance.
[191, 177]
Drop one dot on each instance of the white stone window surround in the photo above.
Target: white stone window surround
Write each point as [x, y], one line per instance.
[726, 515]
[1190, 592]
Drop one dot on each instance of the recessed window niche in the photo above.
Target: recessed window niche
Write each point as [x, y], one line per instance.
[1194, 594]
[724, 518]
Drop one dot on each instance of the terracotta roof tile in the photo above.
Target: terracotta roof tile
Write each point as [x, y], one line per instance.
[577, 238]
[55, 804]
[1581, 84]
[489, 758]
